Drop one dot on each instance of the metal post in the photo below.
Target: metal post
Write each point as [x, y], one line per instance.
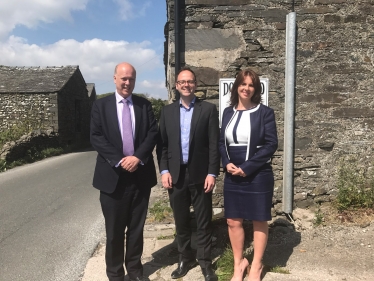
[289, 114]
[177, 65]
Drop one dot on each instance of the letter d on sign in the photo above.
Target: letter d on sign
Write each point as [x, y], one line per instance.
[227, 88]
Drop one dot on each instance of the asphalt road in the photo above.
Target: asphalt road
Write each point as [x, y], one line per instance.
[50, 219]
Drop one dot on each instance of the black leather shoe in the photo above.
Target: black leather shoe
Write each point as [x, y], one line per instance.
[183, 268]
[209, 274]
[140, 279]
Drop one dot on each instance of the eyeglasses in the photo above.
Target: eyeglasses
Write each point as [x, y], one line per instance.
[189, 82]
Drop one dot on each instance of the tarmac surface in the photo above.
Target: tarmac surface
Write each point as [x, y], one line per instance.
[308, 253]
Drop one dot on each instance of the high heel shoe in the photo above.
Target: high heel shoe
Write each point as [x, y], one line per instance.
[243, 265]
[261, 273]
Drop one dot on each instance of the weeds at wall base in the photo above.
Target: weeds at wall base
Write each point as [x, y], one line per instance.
[319, 219]
[355, 185]
[278, 269]
[16, 131]
[160, 211]
[225, 265]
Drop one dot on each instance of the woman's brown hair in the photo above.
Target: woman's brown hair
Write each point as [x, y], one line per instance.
[256, 98]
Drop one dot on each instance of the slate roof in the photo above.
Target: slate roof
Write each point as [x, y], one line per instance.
[15, 79]
[90, 88]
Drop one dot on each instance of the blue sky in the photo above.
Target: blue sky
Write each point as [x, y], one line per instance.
[94, 34]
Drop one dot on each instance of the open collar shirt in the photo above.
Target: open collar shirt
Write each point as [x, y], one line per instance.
[185, 126]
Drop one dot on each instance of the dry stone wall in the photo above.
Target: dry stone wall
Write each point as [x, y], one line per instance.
[334, 77]
[38, 108]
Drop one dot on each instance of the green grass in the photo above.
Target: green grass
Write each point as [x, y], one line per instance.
[160, 211]
[163, 237]
[225, 265]
[16, 131]
[33, 154]
[319, 218]
[278, 269]
[355, 186]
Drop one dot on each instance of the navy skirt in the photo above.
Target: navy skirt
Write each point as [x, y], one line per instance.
[248, 197]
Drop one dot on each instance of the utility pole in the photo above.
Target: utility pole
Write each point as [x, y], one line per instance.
[177, 37]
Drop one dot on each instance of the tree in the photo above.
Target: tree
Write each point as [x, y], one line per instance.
[104, 95]
[157, 105]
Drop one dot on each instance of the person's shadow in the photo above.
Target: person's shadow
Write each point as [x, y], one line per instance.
[168, 255]
[283, 238]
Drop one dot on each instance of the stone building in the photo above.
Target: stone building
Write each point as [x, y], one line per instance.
[334, 76]
[91, 93]
[56, 99]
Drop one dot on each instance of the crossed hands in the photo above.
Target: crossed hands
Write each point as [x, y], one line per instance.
[167, 182]
[235, 171]
[130, 163]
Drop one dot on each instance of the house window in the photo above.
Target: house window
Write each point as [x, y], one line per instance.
[78, 115]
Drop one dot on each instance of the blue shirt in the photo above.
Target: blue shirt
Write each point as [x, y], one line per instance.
[185, 125]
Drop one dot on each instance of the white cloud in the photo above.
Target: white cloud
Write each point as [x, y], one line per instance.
[31, 12]
[143, 9]
[89, 53]
[96, 58]
[155, 88]
[127, 11]
[153, 84]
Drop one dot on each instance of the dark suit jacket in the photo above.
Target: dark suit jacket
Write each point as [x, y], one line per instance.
[106, 139]
[263, 141]
[203, 158]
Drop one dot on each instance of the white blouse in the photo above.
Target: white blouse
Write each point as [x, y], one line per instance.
[238, 132]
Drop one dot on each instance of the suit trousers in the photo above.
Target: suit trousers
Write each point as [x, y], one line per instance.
[182, 195]
[125, 209]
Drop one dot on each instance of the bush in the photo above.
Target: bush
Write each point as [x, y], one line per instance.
[104, 95]
[157, 105]
[225, 265]
[16, 131]
[160, 211]
[35, 154]
[355, 186]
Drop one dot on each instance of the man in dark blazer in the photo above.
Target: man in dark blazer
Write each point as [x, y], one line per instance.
[124, 133]
[189, 163]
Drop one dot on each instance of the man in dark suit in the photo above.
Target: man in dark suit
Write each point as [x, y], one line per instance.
[189, 163]
[124, 133]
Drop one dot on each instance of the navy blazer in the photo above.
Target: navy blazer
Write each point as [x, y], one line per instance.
[106, 139]
[263, 141]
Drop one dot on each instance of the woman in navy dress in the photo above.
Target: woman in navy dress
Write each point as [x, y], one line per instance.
[248, 141]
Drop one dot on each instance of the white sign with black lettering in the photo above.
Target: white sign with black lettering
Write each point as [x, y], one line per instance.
[225, 85]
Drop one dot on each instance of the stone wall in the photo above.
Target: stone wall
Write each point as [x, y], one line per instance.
[334, 72]
[29, 143]
[39, 109]
[74, 111]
